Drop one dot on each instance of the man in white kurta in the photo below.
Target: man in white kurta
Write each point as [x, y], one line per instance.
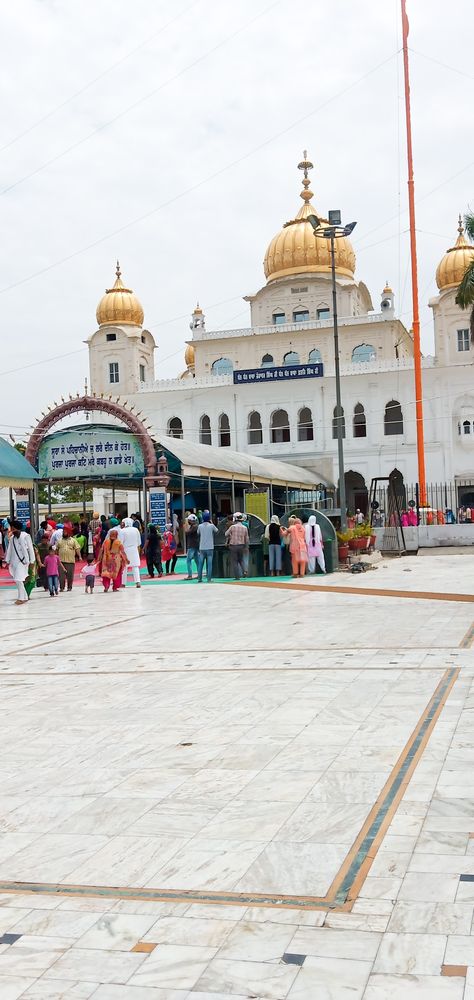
[19, 556]
[131, 541]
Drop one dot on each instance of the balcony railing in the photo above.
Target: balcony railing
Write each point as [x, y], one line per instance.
[317, 324]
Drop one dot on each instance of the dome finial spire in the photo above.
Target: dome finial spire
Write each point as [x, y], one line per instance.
[305, 165]
[460, 225]
[117, 270]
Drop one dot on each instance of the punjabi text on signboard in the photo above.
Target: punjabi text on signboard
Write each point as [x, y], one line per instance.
[285, 373]
[105, 452]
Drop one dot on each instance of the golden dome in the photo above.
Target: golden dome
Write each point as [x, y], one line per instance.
[452, 266]
[296, 250]
[119, 305]
[189, 356]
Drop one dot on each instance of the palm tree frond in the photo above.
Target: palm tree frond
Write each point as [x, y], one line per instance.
[469, 224]
[465, 292]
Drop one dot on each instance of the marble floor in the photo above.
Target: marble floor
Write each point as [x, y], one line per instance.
[188, 775]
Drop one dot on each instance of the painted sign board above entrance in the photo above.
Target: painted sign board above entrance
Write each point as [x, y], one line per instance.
[285, 373]
[96, 452]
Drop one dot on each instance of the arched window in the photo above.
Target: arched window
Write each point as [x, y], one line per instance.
[315, 357]
[291, 358]
[359, 422]
[338, 418]
[175, 428]
[466, 427]
[363, 353]
[279, 427]
[223, 366]
[305, 424]
[393, 420]
[278, 317]
[301, 316]
[205, 435]
[255, 428]
[323, 311]
[224, 431]
[267, 361]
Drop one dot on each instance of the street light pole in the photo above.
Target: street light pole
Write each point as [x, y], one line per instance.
[339, 416]
[333, 231]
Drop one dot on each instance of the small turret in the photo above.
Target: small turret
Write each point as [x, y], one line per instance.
[198, 319]
[387, 304]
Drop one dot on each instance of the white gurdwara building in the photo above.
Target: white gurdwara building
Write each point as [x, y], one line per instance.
[269, 389]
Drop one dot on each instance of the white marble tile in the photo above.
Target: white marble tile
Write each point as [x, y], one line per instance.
[431, 918]
[212, 864]
[108, 814]
[9, 917]
[357, 921]
[414, 987]
[203, 931]
[390, 863]
[377, 906]
[439, 842]
[125, 861]
[304, 869]
[349, 786]
[115, 932]
[55, 923]
[325, 942]
[13, 987]
[32, 955]
[95, 966]
[285, 915]
[170, 819]
[415, 953]
[259, 942]
[173, 966]
[260, 979]
[381, 888]
[422, 887]
[324, 823]
[52, 855]
[325, 979]
[111, 992]
[248, 820]
[460, 950]
[285, 786]
[47, 989]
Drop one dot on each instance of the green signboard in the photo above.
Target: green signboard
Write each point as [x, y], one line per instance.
[95, 452]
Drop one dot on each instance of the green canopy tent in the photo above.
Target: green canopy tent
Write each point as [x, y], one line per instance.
[15, 471]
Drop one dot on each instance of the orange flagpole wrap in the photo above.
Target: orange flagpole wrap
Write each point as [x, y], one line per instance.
[420, 442]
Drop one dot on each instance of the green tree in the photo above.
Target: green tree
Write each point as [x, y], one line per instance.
[465, 293]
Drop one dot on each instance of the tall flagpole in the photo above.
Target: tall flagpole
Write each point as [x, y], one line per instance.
[420, 442]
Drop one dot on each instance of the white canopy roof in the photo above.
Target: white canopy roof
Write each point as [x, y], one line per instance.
[225, 463]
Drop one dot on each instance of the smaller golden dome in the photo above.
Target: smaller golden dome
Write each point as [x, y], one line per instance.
[387, 290]
[452, 266]
[119, 306]
[189, 356]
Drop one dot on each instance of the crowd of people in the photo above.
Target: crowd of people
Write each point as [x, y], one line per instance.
[109, 548]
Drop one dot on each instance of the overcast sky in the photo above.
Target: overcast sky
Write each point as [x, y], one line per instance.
[167, 134]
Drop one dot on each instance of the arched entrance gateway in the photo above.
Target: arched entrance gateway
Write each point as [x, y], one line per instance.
[120, 454]
[80, 404]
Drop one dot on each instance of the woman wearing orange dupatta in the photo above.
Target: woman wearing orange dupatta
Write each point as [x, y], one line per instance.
[111, 561]
[298, 550]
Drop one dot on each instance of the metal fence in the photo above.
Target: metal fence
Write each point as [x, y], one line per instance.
[444, 501]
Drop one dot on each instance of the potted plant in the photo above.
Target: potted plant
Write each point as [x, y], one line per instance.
[361, 537]
[343, 538]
